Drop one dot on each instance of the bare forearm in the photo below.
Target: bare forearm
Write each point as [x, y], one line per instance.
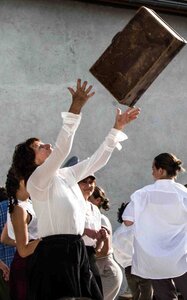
[28, 249]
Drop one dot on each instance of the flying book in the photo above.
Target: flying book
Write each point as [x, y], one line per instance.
[136, 56]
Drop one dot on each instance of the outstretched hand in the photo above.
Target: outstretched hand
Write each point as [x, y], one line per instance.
[123, 118]
[80, 96]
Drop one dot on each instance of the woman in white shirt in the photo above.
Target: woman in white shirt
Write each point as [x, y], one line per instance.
[159, 214]
[93, 235]
[59, 265]
[22, 233]
[111, 274]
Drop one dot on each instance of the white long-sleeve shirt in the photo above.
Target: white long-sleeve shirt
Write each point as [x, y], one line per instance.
[56, 196]
[159, 212]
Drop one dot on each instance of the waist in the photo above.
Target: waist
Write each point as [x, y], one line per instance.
[68, 237]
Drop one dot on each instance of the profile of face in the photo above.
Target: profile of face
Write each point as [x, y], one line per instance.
[158, 173]
[87, 186]
[42, 151]
[96, 201]
[155, 171]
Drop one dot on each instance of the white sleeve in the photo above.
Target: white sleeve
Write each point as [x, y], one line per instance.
[45, 172]
[99, 158]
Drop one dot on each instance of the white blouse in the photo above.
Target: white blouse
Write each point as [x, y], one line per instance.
[57, 199]
[92, 221]
[32, 226]
[159, 212]
[123, 245]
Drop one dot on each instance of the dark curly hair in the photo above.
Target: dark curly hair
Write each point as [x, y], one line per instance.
[23, 159]
[120, 211]
[100, 193]
[12, 185]
[168, 162]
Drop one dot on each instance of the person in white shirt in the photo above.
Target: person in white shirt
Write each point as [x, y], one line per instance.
[20, 231]
[59, 266]
[93, 235]
[111, 274]
[141, 288]
[159, 214]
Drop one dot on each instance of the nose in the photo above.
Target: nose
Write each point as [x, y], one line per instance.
[48, 146]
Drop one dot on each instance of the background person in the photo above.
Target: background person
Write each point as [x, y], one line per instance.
[159, 211]
[93, 235]
[110, 272]
[22, 232]
[6, 252]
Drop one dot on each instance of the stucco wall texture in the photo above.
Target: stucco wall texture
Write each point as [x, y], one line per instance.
[44, 47]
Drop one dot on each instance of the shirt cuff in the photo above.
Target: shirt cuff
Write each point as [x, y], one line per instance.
[70, 121]
[118, 136]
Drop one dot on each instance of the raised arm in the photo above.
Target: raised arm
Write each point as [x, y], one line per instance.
[44, 173]
[103, 153]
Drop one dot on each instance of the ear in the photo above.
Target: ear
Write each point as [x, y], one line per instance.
[162, 172]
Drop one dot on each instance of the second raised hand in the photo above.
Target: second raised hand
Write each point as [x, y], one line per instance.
[126, 117]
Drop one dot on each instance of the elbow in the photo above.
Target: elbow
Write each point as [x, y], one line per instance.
[128, 223]
[22, 253]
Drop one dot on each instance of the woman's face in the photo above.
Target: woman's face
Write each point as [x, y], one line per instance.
[158, 173]
[87, 187]
[42, 151]
[95, 201]
[155, 171]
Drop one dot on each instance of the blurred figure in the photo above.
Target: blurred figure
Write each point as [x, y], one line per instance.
[159, 214]
[6, 252]
[110, 272]
[123, 239]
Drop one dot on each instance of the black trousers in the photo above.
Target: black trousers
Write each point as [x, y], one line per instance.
[60, 268]
[166, 289]
[94, 267]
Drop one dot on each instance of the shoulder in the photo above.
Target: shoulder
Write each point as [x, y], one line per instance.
[143, 190]
[18, 213]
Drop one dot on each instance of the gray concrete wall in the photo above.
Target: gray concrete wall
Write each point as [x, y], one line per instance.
[44, 47]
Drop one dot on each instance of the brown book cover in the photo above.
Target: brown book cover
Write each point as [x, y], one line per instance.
[136, 56]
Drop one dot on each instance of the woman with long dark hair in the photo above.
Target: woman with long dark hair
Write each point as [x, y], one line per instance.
[22, 232]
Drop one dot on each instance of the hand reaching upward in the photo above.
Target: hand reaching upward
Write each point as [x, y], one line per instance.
[123, 118]
[80, 96]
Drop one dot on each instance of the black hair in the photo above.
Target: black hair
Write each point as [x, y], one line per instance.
[168, 162]
[100, 193]
[120, 211]
[24, 159]
[12, 185]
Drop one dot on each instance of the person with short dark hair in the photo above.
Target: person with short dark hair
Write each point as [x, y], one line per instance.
[159, 214]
